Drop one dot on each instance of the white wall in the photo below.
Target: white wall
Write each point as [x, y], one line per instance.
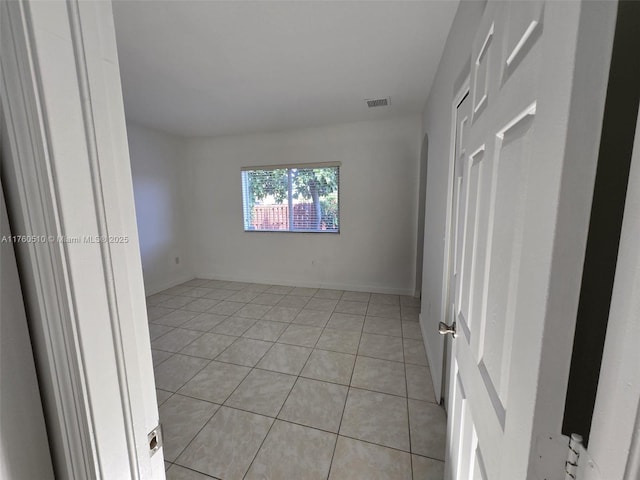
[436, 123]
[158, 170]
[376, 247]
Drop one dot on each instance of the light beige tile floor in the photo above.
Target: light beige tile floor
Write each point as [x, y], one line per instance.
[277, 382]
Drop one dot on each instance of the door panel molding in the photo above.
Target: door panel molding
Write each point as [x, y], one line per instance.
[526, 56]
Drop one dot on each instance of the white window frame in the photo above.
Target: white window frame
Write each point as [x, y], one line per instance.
[246, 195]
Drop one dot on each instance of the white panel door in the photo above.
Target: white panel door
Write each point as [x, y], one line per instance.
[508, 196]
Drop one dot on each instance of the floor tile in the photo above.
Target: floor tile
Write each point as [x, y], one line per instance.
[379, 375]
[279, 289]
[411, 314]
[318, 334]
[377, 418]
[243, 296]
[354, 308]
[195, 282]
[383, 326]
[220, 294]
[177, 290]
[233, 326]
[226, 445]
[182, 418]
[387, 311]
[414, 352]
[419, 384]
[176, 472]
[300, 335]
[384, 299]
[252, 310]
[235, 285]
[281, 314]
[293, 452]
[304, 291]
[427, 468]
[167, 465]
[197, 292]
[265, 330]
[209, 345]
[329, 294]
[159, 356]
[315, 404]
[428, 423]
[329, 366]
[411, 330]
[156, 299]
[175, 340]
[175, 302]
[155, 312]
[356, 460]
[285, 359]
[200, 305]
[267, 299]
[339, 341]
[262, 392]
[293, 301]
[174, 372]
[346, 322]
[256, 287]
[176, 318]
[314, 318]
[381, 346]
[407, 301]
[204, 322]
[215, 382]
[226, 307]
[156, 331]
[245, 351]
[322, 304]
[162, 396]
[356, 296]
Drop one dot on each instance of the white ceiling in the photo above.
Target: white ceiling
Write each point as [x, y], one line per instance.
[216, 68]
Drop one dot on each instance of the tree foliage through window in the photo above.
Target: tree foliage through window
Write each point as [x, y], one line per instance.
[317, 185]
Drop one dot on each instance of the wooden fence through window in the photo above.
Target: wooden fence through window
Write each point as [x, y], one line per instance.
[276, 217]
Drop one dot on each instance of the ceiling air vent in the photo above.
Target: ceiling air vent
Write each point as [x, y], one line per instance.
[378, 102]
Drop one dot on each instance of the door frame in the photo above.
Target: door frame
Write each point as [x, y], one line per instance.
[69, 178]
[441, 387]
[423, 172]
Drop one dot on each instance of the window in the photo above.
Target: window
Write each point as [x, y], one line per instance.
[291, 198]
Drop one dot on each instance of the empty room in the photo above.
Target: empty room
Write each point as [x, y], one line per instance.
[277, 212]
[320, 240]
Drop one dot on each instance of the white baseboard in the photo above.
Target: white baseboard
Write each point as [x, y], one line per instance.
[158, 287]
[333, 286]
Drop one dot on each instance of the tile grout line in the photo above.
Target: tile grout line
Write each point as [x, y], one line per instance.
[285, 401]
[222, 404]
[277, 340]
[406, 382]
[346, 398]
[303, 425]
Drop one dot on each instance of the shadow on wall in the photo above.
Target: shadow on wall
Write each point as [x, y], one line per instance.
[422, 198]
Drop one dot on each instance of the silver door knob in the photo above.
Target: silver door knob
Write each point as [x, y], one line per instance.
[444, 329]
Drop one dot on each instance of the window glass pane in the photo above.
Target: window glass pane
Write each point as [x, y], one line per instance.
[299, 199]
